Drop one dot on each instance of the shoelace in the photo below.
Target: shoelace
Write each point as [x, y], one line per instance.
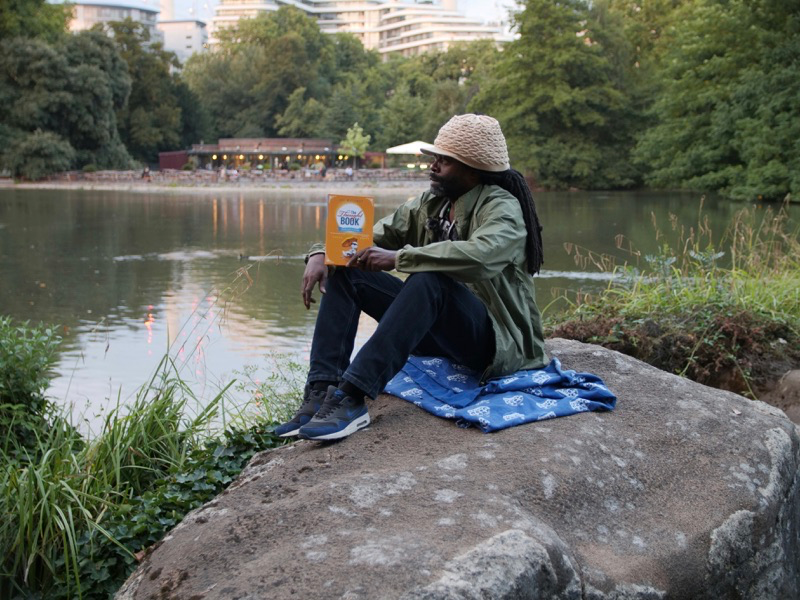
[330, 405]
[312, 396]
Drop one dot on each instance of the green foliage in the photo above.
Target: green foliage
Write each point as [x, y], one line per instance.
[343, 107]
[33, 18]
[162, 112]
[732, 324]
[27, 354]
[302, 116]
[74, 513]
[262, 62]
[70, 89]
[106, 558]
[355, 142]
[39, 154]
[725, 116]
[401, 118]
[276, 394]
[560, 99]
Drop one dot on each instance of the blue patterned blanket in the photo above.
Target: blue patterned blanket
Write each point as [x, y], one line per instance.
[454, 392]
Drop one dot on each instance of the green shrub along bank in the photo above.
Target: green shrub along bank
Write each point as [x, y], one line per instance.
[726, 315]
[26, 355]
[75, 513]
[107, 556]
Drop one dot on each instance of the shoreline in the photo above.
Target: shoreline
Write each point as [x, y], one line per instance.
[342, 187]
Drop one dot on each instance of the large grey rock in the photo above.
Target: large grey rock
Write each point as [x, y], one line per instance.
[683, 492]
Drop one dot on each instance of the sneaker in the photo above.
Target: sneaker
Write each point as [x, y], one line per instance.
[312, 402]
[339, 416]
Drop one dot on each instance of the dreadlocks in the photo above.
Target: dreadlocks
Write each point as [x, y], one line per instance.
[513, 182]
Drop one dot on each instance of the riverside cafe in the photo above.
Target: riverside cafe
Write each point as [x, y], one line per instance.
[282, 153]
[269, 153]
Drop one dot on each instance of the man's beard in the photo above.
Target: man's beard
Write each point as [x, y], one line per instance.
[443, 187]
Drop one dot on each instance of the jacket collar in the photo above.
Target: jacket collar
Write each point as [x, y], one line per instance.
[466, 204]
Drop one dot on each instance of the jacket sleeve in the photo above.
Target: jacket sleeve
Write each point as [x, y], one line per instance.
[399, 228]
[497, 240]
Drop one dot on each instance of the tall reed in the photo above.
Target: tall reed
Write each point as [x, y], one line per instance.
[754, 266]
[66, 484]
[58, 489]
[725, 312]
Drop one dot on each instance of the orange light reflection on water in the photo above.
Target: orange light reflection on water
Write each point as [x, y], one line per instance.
[148, 324]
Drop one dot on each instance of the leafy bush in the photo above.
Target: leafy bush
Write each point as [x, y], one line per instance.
[39, 154]
[109, 555]
[26, 355]
[90, 168]
[74, 513]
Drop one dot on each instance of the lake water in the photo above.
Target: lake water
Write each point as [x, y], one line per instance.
[213, 279]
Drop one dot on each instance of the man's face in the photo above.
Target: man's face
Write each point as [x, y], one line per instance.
[449, 178]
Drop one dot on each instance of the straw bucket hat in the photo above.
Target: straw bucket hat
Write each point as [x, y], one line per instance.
[475, 140]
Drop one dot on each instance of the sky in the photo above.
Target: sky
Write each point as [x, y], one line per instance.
[479, 9]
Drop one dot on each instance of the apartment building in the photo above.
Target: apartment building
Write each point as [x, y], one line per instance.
[405, 27]
[87, 13]
[184, 37]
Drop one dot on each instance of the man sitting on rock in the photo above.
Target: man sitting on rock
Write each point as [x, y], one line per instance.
[470, 246]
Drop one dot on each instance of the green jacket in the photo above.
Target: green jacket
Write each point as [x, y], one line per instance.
[489, 257]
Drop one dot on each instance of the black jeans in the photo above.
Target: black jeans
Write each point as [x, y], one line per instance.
[428, 314]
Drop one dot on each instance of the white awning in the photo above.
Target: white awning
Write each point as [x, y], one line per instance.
[409, 148]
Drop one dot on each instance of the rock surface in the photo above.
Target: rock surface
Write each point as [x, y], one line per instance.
[683, 491]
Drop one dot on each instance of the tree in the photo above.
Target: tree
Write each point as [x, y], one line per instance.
[564, 113]
[726, 117]
[350, 57]
[71, 89]
[355, 143]
[301, 117]
[247, 83]
[224, 82]
[161, 111]
[38, 154]
[33, 19]
[195, 121]
[349, 102]
[402, 118]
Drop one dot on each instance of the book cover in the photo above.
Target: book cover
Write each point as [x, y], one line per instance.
[348, 228]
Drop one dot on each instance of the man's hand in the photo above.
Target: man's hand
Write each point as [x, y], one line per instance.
[373, 259]
[316, 272]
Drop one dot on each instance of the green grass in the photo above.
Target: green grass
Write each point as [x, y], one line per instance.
[723, 312]
[74, 512]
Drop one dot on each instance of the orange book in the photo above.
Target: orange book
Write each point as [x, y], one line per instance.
[349, 227]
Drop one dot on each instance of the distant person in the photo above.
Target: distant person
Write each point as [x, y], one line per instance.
[323, 171]
[470, 246]
[349, 173]
[146, 173]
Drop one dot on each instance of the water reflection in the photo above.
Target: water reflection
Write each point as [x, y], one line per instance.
[133, 276]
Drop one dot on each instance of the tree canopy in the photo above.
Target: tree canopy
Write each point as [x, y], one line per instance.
[725, 116]
[162, 113]
[600, 94]
[33, 19]
[70, 90]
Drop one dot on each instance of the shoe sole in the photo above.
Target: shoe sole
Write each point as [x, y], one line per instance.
[292, 433]
[357, 424]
